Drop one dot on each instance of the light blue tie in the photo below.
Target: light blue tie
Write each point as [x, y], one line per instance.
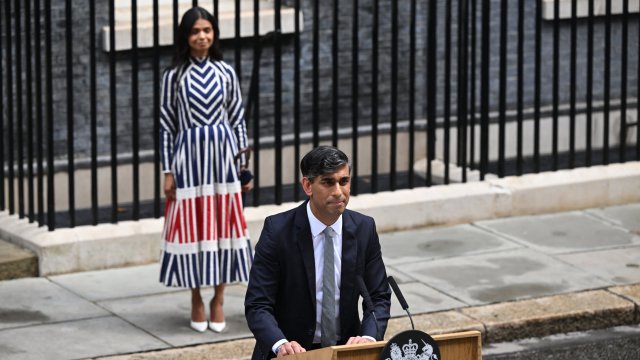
[328, 316]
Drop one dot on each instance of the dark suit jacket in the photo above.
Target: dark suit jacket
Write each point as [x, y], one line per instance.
[281, 296]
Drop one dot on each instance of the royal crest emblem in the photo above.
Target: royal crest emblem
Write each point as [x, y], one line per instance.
[403, 347]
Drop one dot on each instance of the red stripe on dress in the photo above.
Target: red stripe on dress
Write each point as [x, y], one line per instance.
[200, 213]
[208, 217]
[193, 237]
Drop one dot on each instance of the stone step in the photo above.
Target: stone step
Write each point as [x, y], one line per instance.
[16, 262]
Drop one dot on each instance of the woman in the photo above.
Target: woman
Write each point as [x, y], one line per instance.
[203, 136]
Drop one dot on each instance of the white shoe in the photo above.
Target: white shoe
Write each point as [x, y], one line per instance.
[198, 326]
[217, 326]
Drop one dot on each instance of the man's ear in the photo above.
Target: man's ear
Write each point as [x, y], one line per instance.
[306, 185]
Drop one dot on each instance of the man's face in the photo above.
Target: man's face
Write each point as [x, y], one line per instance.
[329, 194]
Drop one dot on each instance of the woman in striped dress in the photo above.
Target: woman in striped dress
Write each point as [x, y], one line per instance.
[202, 133]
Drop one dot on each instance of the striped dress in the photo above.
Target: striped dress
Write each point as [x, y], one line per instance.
[202, 127]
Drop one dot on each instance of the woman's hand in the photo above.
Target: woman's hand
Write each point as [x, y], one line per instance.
[247, 187]
[169, 186]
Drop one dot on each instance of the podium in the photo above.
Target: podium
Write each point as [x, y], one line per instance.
[465, 345]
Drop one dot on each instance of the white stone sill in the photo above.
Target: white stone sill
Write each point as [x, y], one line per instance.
[165, 28]
[599, 8]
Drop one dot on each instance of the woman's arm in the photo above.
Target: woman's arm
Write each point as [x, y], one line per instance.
[235, 111]
[168, 121]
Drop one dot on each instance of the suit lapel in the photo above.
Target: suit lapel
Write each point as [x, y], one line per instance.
[305, 244]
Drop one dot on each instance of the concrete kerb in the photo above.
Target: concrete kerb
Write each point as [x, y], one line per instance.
[539, 317]
[631, 293]
[502, 322]
[85, 248]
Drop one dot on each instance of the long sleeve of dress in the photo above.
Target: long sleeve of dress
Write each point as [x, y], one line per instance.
[168, 122]
[235, 109]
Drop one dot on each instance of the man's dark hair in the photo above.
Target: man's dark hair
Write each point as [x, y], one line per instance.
[322, 160]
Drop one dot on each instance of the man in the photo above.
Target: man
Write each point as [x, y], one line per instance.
[290, 305]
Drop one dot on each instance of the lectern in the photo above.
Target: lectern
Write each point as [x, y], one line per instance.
[465, 345]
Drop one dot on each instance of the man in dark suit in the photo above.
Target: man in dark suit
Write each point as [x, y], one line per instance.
[290, 305]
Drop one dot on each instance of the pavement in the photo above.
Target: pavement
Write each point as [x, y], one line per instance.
[510, 278]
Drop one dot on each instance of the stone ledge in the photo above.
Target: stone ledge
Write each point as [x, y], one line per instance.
[16, 262]
[86, 248]
[437, 205]
[568, 190]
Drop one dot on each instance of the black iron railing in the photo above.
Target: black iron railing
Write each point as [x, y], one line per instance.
[485, 86]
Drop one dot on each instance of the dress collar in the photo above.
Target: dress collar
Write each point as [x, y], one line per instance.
[199, 60]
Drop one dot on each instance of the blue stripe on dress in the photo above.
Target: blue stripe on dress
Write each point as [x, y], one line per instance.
[204, 269]
[207, 268]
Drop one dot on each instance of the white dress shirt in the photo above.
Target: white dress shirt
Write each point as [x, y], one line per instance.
[317, 228]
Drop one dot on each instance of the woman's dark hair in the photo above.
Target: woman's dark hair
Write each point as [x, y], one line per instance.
[183, 51]
[322, 160]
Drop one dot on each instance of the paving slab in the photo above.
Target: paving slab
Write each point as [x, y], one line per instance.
[627, 216]
[579, 311]
[398, 275]
[502, 276]
[37, 301]
[433, 243]
[561, 233]
[166, 316]
[100, 285]
[617, 266]
[422, 299]
[75, 340]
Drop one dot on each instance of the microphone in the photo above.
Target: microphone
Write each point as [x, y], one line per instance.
[403, 302]
[368, 303]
